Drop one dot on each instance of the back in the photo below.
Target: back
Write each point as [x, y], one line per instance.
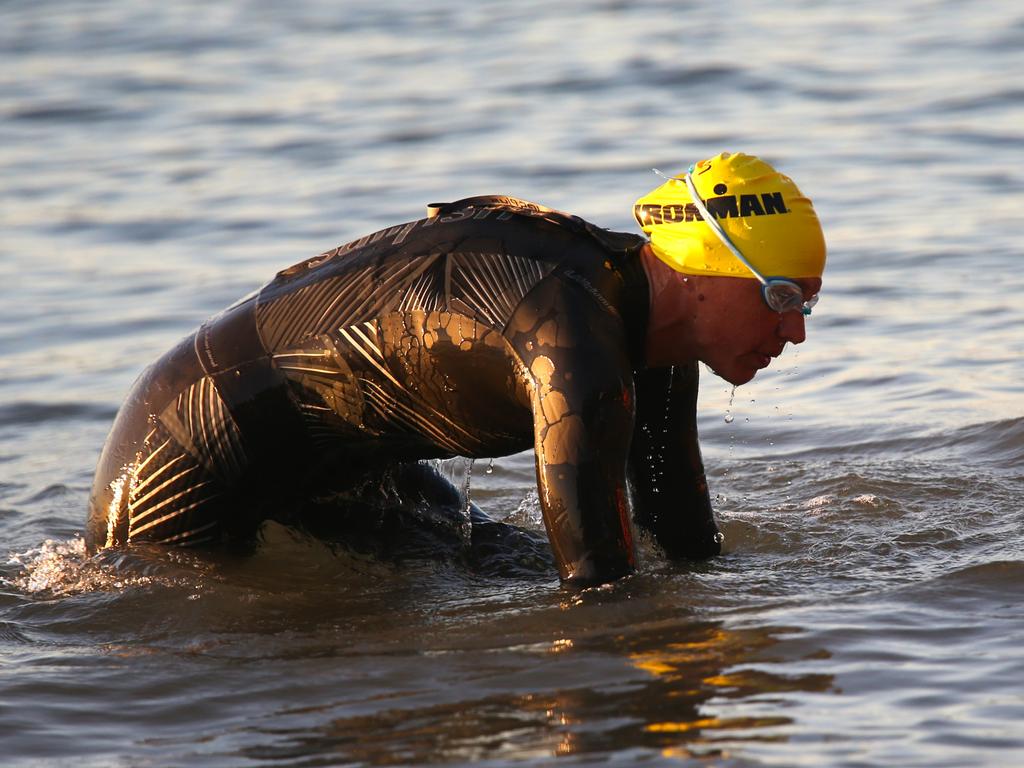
[401, 337]
[405, 344]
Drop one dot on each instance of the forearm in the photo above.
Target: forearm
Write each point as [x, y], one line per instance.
[666, 467]
[587, 520]
[581, 442]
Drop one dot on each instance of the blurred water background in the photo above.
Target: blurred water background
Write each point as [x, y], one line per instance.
[159, 161]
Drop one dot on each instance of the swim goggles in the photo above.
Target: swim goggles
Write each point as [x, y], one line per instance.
[780, 294]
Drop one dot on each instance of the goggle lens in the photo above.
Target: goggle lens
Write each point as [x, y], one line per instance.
[786, 296]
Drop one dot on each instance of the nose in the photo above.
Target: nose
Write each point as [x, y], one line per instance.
[792, 328]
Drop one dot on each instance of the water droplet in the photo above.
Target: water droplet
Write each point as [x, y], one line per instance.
[490, 467]
[728, 417]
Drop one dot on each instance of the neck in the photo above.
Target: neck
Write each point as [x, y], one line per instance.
[670, 326]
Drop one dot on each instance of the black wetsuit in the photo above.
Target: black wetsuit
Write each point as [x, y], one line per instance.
[489, 327]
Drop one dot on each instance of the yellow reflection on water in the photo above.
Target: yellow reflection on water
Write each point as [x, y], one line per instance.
[716, 723]
[679, 690]
[700, 685]
[674, 657]
[561, 645]
[710, 722]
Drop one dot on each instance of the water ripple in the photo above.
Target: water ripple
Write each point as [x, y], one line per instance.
[29, 412]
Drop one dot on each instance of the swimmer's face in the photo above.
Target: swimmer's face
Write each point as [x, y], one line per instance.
[737, 333]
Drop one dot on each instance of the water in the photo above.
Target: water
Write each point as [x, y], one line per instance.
[158, 162]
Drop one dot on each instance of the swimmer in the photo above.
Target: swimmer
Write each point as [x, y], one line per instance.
[489, 327]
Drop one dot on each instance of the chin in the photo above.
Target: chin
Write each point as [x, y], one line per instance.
[737, 377]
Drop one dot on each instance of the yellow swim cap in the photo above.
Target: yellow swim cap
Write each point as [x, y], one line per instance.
[761, 210]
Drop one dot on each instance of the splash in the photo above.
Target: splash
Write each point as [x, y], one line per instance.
[819, 502]
[62, 568]
[115, 505]
[528, 513]
[868, 500]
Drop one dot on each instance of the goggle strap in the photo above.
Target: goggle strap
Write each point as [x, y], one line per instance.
[717, 228]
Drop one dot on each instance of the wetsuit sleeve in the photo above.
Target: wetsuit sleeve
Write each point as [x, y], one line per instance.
[670, 489]
[580, 380]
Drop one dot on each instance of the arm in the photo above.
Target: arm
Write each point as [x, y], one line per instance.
[581, 391]
[666, 469]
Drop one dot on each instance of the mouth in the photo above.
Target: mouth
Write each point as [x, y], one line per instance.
[764, 359]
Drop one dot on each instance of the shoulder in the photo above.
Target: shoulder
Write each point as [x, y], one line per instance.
[507, 208]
